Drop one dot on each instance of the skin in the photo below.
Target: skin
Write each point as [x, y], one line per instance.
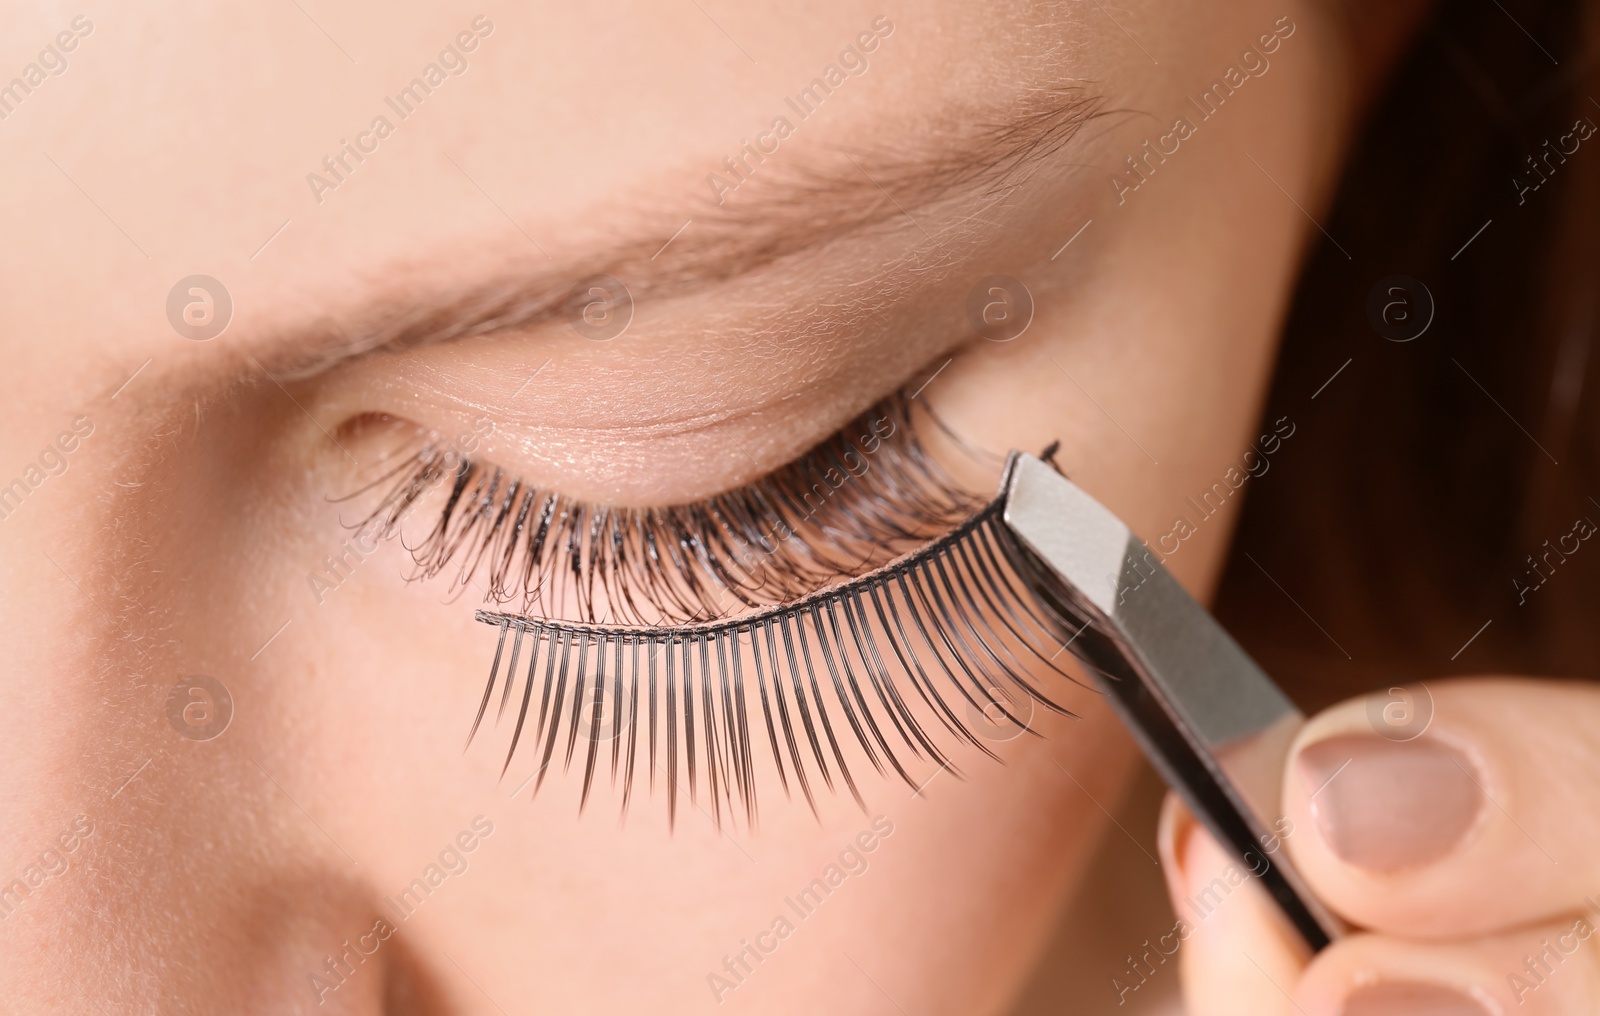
[217, 875]
[1516, 882]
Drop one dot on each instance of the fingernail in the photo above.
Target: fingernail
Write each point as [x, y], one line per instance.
[1386, 805]
[1405, 998]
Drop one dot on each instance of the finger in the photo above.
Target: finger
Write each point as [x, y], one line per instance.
[1236, 954]
[1551, 970]
[1486, 821]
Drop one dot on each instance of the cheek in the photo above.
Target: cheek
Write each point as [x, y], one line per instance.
[241, 876]
[1021, 825]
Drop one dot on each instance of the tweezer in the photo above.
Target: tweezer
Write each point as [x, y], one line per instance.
[1212, 722]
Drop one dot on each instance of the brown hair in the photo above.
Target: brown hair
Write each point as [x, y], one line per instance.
[1414, 505]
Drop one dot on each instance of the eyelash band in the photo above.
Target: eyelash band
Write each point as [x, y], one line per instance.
[954, 620]
[860, 499]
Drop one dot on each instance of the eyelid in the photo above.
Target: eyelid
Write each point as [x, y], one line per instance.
[695, 397]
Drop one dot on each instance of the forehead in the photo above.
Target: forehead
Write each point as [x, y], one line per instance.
[324, 149]
[189, 123]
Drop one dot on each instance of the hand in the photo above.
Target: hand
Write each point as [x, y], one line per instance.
[1467, 858]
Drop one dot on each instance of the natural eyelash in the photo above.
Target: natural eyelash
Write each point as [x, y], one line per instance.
[861, 498]
[954, 618]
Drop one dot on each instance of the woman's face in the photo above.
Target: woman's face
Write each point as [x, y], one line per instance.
[801, 202]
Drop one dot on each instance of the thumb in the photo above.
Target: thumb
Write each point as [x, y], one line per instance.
[1236, 952]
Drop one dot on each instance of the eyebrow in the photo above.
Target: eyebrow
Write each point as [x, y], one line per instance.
[802, 207]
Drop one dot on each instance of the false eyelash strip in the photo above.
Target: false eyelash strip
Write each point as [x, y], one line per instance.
[898, 655]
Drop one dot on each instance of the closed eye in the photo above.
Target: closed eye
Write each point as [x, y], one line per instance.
[866, 495]
[854, 606]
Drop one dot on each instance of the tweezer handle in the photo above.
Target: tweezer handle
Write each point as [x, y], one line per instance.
[1210, 720]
